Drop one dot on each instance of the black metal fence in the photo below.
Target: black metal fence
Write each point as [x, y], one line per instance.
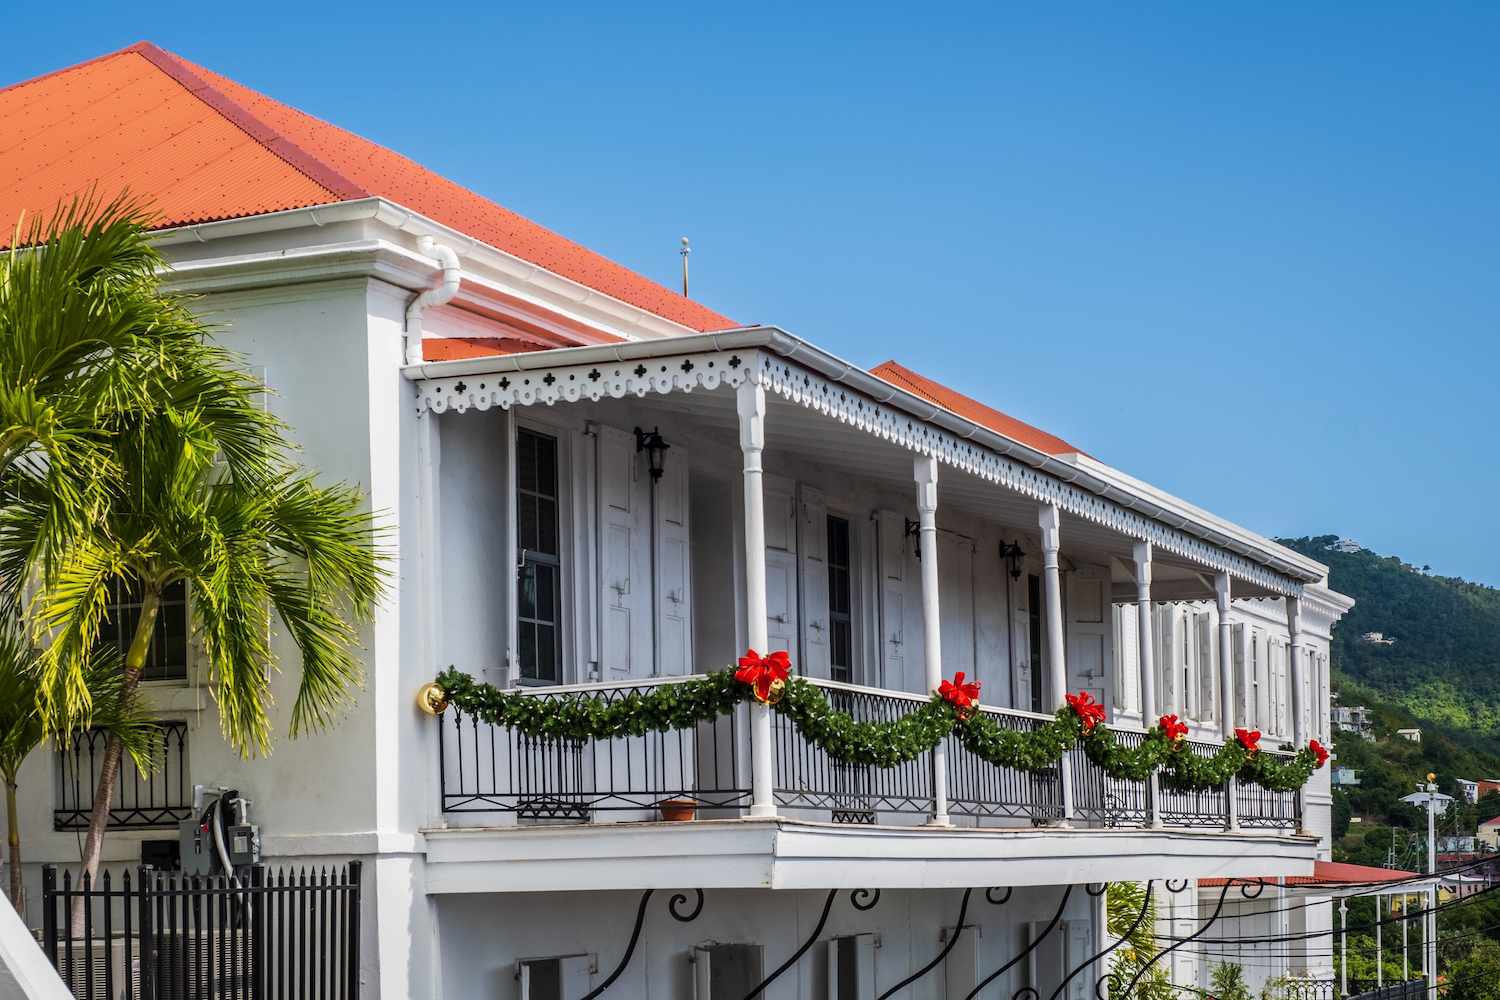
[276, 935]
[157, 798]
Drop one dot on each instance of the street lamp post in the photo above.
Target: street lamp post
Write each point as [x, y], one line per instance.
[1429, 797]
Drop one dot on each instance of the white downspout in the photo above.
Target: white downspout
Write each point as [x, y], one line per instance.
[435, 296]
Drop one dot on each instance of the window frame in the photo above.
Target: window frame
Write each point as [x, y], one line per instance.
[576, 575]
[113, 609]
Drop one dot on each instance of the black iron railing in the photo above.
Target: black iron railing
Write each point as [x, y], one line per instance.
[807, 777]
[487, 768]
[980, 789]
[158, 798]
[1100, 799]
[274, 935]
[1261, 808]
[492, 769]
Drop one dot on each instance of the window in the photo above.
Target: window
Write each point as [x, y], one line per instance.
[538, 609]
[553, 978]
[168, 656]
[153, 799]
[724, 971]
[1034, 627]
[840, 602]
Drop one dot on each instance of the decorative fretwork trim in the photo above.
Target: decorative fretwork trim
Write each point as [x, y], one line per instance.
[793, 382]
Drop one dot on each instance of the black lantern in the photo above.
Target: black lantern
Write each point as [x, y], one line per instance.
[914, 532]
[1012, 553]
[655, 448]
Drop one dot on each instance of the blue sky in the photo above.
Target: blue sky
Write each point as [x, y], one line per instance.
[1248, 255]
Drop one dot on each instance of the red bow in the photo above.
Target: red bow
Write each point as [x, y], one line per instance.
[1089, 711]
[960, 695]
[1172, 728]
[1249, 739]
[766, 674]
[1319, 751]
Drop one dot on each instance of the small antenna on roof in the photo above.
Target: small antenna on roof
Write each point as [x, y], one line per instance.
[686, 249]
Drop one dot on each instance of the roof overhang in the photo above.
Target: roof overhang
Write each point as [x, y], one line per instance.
[1085, 474]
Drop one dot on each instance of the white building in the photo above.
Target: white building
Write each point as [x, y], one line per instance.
[1410, 735]
[484, 380]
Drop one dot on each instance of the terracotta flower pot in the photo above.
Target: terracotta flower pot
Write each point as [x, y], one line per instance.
[678, 810]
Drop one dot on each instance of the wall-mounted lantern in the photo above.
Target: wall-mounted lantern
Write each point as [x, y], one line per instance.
[1013, 555]
[655, 448]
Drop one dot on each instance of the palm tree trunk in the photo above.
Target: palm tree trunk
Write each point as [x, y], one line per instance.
[13, 838]
[109, 770]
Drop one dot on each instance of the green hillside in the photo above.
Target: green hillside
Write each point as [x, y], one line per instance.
[1442, 674]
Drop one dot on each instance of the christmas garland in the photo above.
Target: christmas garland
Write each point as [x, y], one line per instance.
[952, 711]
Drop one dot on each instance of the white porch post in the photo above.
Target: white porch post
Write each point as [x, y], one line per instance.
[1295, 679]
[512, 558]
[924, 470]
[1057, 669]
[751, 401]
[1147, 664]
[1226, 693]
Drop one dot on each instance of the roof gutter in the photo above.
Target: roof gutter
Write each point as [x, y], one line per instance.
[441, 293]
[793, 348]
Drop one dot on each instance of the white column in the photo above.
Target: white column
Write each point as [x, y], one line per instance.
[1294, 671]
[1057, 669]
[1226, 692]
[1144, 643]
[751, 400]
[512, 557]
[924, 470]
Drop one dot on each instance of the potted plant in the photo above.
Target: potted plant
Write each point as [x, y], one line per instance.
[678, 810]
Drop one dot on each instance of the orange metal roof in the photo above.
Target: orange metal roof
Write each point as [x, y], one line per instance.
[949, 399]
[198, 147]
[1328, 873]
[458, 348]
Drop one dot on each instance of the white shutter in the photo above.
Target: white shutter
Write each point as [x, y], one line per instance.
[624, 584]
[1078, 937]
[781, 566]
[1020, 640]
[812, 538]
[1208, 673]
[1088, 625]
[892, 529]
[674, 589]
[956, 603]
[575, 971]
[961, 966]
[1168, 684]
[1241, 688]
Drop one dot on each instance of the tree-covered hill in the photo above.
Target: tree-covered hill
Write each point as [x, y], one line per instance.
[1444, 666]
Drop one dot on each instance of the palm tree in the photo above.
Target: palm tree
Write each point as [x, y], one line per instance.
[23, 729]
[197, 486]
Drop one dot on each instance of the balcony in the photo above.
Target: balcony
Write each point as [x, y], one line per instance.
[517, 780]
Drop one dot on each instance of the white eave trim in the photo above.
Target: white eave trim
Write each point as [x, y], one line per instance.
[1086, 474]
[565, 293]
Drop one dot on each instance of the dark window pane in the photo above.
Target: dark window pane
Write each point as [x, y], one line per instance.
[546, 540]
[840, 602]
[546, 979]
[538, 608]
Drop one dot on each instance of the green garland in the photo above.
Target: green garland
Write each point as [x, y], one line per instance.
[879, 744]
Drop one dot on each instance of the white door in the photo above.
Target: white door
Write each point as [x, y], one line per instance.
[674, 602]
[1090, 626]
[624, 577]
[893, 656]
[812, 540]
[1020, 644]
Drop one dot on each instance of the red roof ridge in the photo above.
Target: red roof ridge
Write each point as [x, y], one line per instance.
[285, 149]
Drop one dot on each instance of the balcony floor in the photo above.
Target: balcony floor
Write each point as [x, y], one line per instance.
[783, 853]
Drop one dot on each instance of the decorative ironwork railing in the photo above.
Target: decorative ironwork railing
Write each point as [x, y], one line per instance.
[159, 798]
[485, 768]
[1261, 808]
[269, 935]
[806, 777]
